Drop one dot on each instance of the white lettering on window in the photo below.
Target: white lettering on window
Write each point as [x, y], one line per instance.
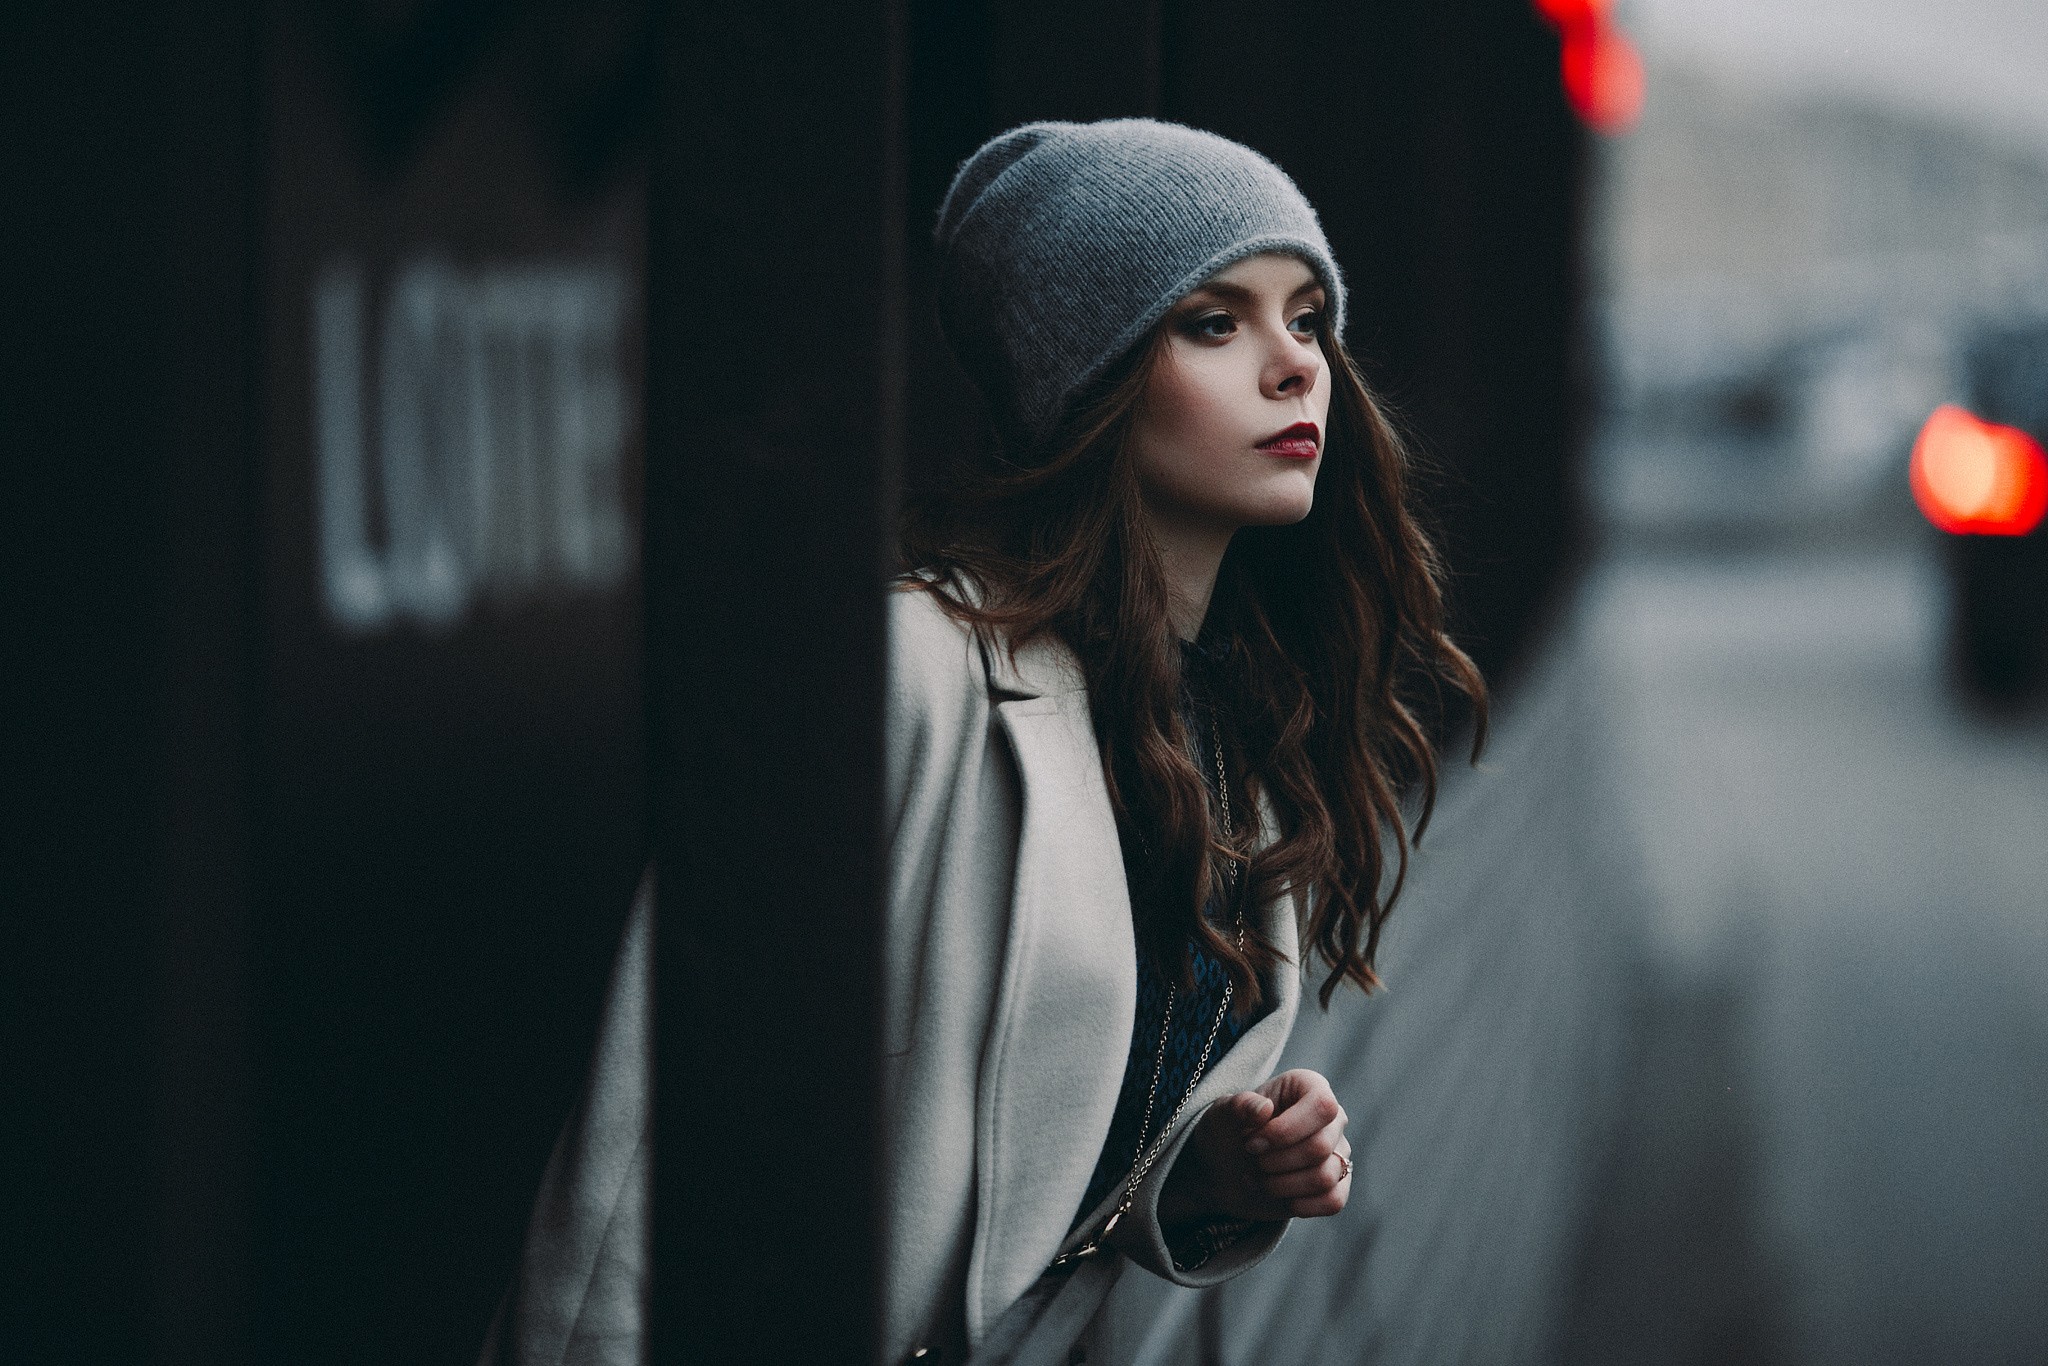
[498, 409]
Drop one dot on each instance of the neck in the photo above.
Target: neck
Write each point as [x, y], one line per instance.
[1189, 555]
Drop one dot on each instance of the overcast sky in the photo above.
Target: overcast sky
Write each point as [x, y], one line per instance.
[1978, 62]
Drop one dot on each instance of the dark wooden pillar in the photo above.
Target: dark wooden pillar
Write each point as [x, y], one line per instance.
[776, 404]
[124, 516]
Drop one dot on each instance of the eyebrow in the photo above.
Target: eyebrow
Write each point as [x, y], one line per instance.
[1238, 294]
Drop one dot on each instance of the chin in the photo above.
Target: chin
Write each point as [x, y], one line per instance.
[1280, 507]
[1266, 514]
[1283, 516]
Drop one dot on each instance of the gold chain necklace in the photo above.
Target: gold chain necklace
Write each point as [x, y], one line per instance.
[1143, 1160]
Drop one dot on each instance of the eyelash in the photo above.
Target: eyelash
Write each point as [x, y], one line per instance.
[1198, 326]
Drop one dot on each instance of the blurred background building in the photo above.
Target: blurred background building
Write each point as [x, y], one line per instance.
[1818, 214]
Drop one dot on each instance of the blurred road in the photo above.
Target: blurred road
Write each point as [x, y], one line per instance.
[1836, 1147]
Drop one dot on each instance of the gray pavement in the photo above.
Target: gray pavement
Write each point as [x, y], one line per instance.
[1835, 1147]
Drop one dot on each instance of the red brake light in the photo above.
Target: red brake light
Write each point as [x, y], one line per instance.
[1602, 72]
[1568, 13]
[1603, 76]
[1976, 477]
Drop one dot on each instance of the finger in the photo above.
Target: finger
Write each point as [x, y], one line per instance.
[1314, 1111]
[1287, 1087]
[1251, 1109]
[1221, 1131]
[1320, 1179]
[1230, 1120]
[1319, 1206]
[1314, 1149]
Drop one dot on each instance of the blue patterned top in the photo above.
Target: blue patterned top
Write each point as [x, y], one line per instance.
[1192, 1016]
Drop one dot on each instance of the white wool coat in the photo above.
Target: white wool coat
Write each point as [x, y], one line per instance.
[1010, 991]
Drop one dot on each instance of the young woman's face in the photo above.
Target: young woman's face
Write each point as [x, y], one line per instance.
[1231, 430]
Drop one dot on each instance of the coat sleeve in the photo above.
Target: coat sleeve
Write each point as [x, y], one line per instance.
[936, 719]
[1142, 1238]
[579, 1296]
[936, 731]
[937, 704]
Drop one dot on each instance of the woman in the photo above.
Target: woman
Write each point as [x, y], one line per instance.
[1147, 740]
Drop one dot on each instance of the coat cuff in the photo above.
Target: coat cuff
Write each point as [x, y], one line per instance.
[1140, 1237]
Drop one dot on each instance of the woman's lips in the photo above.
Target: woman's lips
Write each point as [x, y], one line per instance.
[1296, 443]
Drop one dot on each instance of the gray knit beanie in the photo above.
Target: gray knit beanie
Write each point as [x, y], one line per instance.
[1061, 244]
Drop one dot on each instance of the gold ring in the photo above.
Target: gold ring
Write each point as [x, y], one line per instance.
[1347, 1169]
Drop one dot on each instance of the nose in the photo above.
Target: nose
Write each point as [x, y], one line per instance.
[1293, 369]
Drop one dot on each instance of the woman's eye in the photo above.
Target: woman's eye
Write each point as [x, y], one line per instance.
[1214, 326]
[1309, 323]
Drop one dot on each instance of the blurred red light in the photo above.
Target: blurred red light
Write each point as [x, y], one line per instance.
[1603, 76]
[1568, 14]
[1978, 478]
[1601, 69]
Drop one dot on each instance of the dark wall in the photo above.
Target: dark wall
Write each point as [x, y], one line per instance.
[325, 424]
[448, 799]
[125, 431]
[1435, 143]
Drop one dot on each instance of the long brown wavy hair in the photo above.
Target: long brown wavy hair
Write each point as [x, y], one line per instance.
[1335, 672]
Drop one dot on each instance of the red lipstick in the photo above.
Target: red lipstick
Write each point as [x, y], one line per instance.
[1302, 441]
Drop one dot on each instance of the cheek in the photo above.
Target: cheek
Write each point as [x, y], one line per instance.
[1178, 454]
[1181, 405]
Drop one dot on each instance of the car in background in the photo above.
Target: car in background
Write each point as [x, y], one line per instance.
[1980, 476]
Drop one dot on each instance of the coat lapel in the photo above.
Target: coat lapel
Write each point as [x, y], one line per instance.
[1060, 1033]
[1062, 1020]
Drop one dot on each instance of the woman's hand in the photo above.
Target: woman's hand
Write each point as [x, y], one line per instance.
[1265, 1154]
